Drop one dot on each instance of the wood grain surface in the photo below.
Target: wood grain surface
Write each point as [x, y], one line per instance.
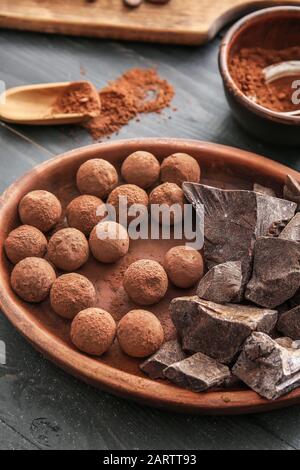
[40, 405]
[179, 21]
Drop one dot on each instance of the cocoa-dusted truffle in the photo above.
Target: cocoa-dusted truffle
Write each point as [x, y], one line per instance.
[68, 249]
[184, 266]
[146, 282]
[168, 194]
[93, 331]
[32, 279]
[25, 242]
[134, 196]
[140, 333]
[40, 209]
[141, 168]
[109, 242]
[82, 213]
[72, 293]
[180, 167]
[96, 177]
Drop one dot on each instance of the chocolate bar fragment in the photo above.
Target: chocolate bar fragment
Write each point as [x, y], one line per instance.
[258, 188]
[223, 283]
[167, 355]
[218, 330]
[234, 219]
[289, 323]
[291, 190]
[292, 229]
[268, 368]
[276, 272]
[198, 373]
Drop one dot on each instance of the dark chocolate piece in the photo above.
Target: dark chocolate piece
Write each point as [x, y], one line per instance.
[258, 188]
[291, 190]
[233, 221]
[289, 323]
[198, 373]
[268, 368]
[218, 330]
[292, 229]
[223, 283]
[167, 355]
[276, 272]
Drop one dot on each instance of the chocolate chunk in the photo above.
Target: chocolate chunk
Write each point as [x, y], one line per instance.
[289, 323]
[218, 330]
[258, 188]
[292, 230]
[168, 354]
[197, 373]
[276, 272]
[268, 368]
[291, 190]
[223, 283]
[233, 221]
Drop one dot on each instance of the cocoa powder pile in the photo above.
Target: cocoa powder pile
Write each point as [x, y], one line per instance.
[135, 92]
[246, 68]
[79, 97]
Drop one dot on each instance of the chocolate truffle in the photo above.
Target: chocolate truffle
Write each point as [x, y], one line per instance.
[82, 213]
[96, 177]
[109, 242]
[141, 168]
[134, 196]
[40, 209]
[184, 266]
[93, 331]
[72, 293]
[140, 333]
[32, 279]
[146, 282]
[68, 249]
[25, 242]
[167, 194]
[180, 167]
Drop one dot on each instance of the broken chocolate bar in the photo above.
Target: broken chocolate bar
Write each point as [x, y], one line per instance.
[292, 229]
[223, 283]
[233, 221]
[168, 354]
[276, 272]
[289, 323]
[268, 368]
[258, 188]
[198, 373]
[291, 190]
[218, 330]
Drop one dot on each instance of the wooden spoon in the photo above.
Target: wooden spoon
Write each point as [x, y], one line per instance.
[35, 104]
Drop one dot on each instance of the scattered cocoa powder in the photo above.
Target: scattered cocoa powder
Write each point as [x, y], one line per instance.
[136, 91]
[246, 68]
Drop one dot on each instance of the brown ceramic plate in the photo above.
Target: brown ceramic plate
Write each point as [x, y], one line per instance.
[115, 372]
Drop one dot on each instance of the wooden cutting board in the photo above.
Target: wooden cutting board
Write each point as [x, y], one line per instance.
[180, 21]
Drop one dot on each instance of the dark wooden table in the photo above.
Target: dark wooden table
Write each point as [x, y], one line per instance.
[41, 407]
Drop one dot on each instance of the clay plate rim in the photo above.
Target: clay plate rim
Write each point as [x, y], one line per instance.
[142, 390]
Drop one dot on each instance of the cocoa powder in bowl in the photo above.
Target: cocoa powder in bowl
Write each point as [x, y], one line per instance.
[246, 67]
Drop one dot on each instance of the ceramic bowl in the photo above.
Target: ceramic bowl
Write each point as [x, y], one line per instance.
[274, 28]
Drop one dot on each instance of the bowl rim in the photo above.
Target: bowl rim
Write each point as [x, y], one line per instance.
[97, 373]
[231, 85]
